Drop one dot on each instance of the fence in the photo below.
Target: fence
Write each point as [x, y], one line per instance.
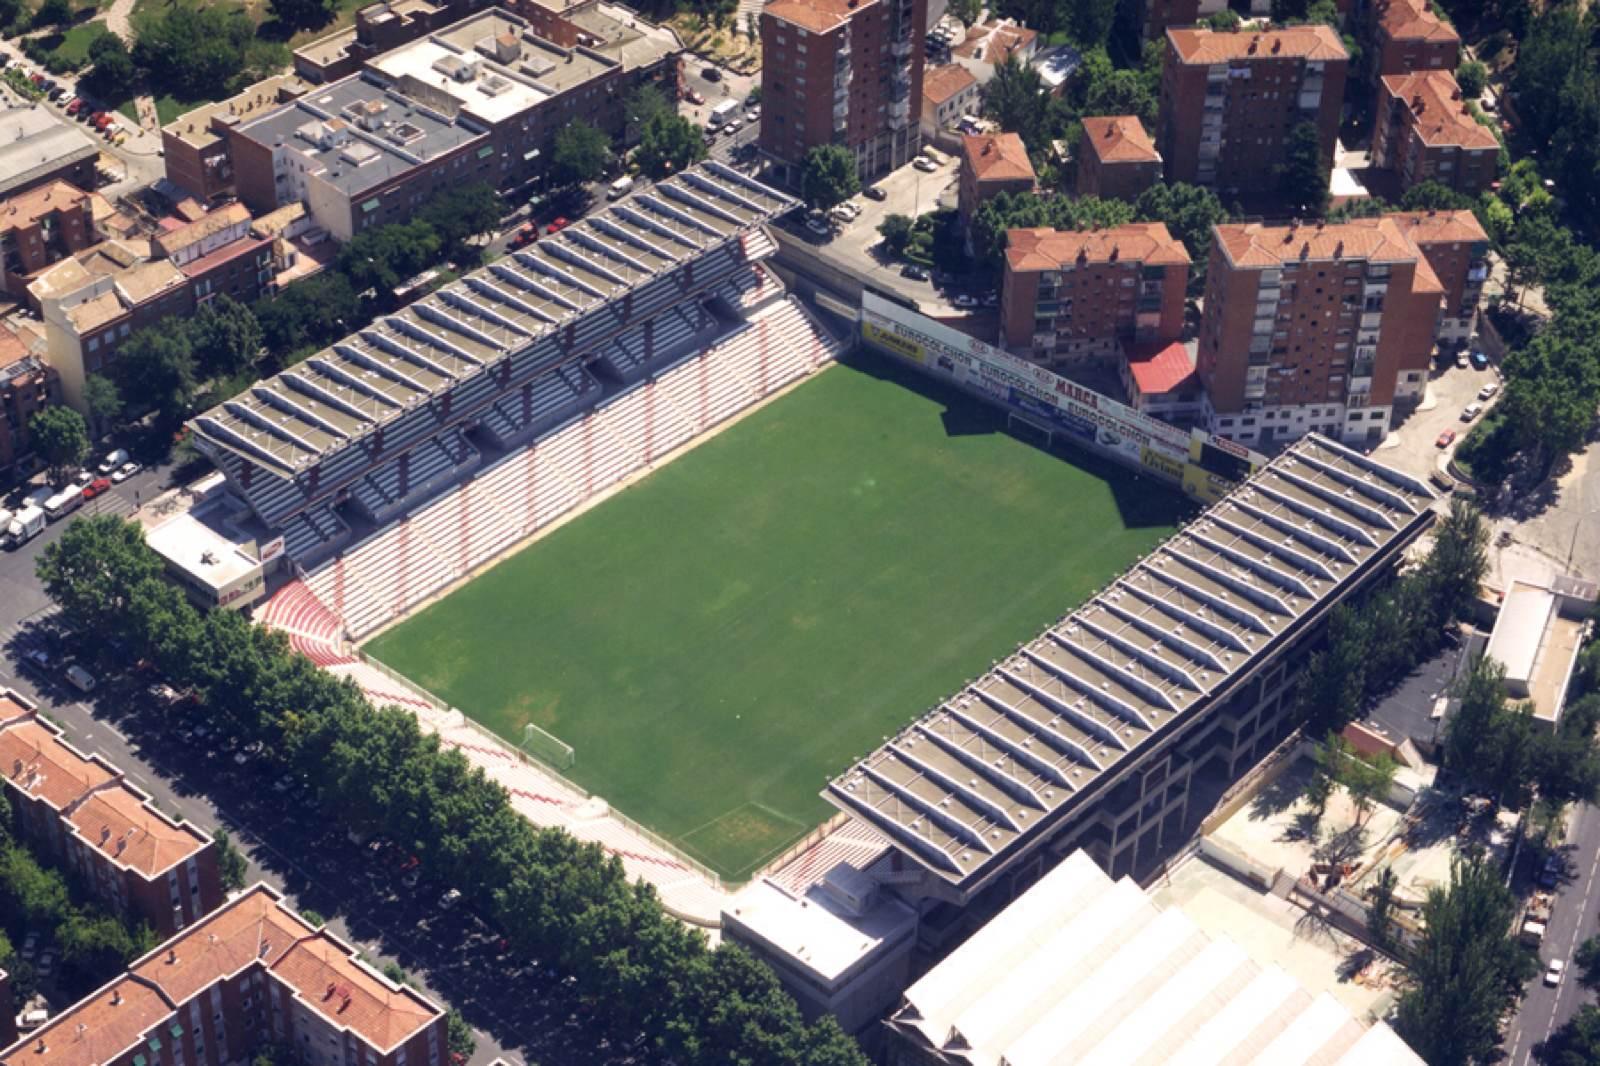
[545, 768]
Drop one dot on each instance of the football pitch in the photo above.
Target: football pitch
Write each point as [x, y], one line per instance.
[719, 639]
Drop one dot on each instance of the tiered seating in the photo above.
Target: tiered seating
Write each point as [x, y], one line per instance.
[527, 489]
[647, 423]
[592, 458]
[311, 531]
[549, 398]
[750, 288]
[703, 393]
[380, 578]
[852, 841]
[313, 630]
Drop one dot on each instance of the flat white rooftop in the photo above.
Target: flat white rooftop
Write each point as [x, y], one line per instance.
[189, 543]
[1537, 643]
[815, 932]
[479, 86]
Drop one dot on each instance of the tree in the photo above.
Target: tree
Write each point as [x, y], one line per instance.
[668, 145]
[1223, 21]
[582, 154]
[1380, 911]
[1328, 761]
[1368, 781]
[1467, 970]
[1334, 684]
[99, 944]
[194, 52]
[1016, 99]
[92, 569]
[1009, 211]
[1472, 76]
[459, 214]
[1455, 568]
[1576, 1043]
[1487, 744]
[829, 177]
[316, 310]
[113, 72]
[384, 258]
[1089, 21]
[1567, 762]
[459, 1035]
[10, 13]
[1586, 962]
[1189, 212]
[1303, 174]
[1430, 195]
[968, 11]
[52, 13]
[101, 396]
[1556, 44]
[231, 863]
[61, 438]
[896, 231]
[225, 336]
[302, 14]
[156, 365]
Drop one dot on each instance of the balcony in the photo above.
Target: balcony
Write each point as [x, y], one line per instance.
[899, 114]
[901, 50]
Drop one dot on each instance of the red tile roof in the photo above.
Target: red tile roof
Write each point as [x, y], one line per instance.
[26, 208]
[1161, 368]
[1205, 47]
[818, 16]
[997, 157]
[1136, 242]
[942, 82]
[1438, 112]
[1440, 227]
[1413, 20]
[1254, 244]
[1119, 139]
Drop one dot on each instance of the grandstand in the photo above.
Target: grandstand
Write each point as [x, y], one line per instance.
[1088, 734]
[364, 431]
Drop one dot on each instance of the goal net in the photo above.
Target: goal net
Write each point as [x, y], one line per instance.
[547, 747]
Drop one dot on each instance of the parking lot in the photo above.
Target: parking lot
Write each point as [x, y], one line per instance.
[1414, 445]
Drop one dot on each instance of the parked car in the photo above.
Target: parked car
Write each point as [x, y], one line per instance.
[1488, 391]
[96, 487]
[556, 225]
[74, 105]
[125, 471]
[711, 74]
[38, 658]
[914, 272]
[752, 114]
[964, 301]
[1480, 361]
[1471, 411]
[113, 459]
[1461, 361]
[1553, 972]
[450, 899]
[873, 192]
[81, 679]
[695, 97]
[1447, 438]
[924, 164]
[819, 225]
[525, 235]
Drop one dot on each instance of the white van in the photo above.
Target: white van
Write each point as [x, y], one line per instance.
[64, 502]
[721, 114]
[114, 460]
[81, 679]
[620, 188]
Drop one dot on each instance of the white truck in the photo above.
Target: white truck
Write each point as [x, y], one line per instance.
[722, 113]
[24, 526]
[64, 502]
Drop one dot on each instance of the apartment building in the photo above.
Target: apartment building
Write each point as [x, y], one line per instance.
[991, 163]
[1229, 102]
[480, 100]
[1457, 249]
[195, 145]
[40, 227]
[81, 811]
[1408, 37]
[843, 72]
[1424, 132]
[1117, 160]
[989, 45]
[1315, 328]
[220, 255]
[27, 386]
[1159, 379]
[1070, 297]
[93, 301]
[378, 28]
[250, 975]
[1157, 16]
[948, 92]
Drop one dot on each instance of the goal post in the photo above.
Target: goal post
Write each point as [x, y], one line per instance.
[547, 747]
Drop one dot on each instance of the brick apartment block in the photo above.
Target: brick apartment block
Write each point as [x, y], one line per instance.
[80, 810]
[40, 227]
[1068, 297]
[991, 163]
[1316, 327]
[1117, 160]
[251, 974]
[1424, 132]
[1408, 37]
[1230, 100]
[842, 72]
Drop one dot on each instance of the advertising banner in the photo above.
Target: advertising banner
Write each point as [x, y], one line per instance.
[1202, 465]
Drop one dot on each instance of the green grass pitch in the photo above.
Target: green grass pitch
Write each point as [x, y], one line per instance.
[719, 639]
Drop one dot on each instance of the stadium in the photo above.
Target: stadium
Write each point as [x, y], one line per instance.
[386, 473]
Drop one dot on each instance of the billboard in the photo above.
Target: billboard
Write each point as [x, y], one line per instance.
[1202, 465]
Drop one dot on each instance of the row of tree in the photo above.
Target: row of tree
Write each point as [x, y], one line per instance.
[567, 903]
[1372, 645]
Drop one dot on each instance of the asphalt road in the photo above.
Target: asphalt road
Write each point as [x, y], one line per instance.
[519, 1011]
[1573, 921]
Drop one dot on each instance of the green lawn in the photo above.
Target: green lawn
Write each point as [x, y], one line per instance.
[721, 638]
